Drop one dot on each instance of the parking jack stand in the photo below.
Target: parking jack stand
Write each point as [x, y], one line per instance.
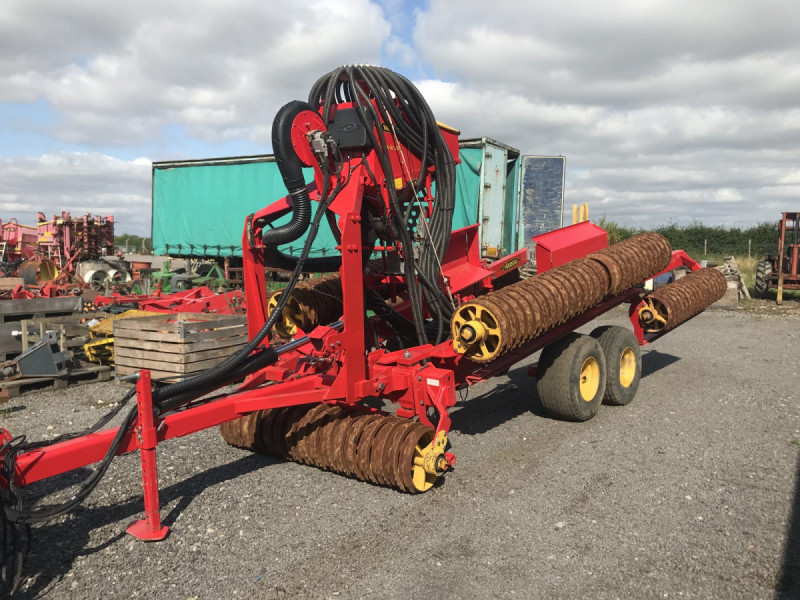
[150, 528]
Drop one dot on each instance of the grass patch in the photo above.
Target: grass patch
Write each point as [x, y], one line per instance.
[747, 266]
[795, 443]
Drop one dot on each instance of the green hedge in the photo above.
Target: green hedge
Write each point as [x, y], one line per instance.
[694, 238]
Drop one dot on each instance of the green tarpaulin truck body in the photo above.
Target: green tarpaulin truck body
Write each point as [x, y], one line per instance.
[199, 206]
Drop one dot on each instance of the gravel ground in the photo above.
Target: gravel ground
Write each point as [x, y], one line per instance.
[689, 492]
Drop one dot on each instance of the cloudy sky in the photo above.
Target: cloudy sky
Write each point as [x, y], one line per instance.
[667, 111]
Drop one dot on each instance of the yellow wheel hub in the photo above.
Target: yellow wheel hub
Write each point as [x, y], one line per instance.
[475, 332]
[589, 379]
[290, 316]
[430, 463]
[627, 367]
[652, 316]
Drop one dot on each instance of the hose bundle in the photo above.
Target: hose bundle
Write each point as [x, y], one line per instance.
[399, 105]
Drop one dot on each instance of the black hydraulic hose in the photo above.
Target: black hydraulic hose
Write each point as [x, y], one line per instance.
[403, 326]
[292, 172]
[45, 513]
[409, 263]
[253, 363]
[324, 264]
[293, 176]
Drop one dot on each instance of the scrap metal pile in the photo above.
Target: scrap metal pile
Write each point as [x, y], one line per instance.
[46, 258]
[66, 239]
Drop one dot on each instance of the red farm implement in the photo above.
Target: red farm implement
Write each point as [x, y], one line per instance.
[408, 312]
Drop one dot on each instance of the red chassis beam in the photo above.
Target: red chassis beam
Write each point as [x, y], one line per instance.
[73, 454]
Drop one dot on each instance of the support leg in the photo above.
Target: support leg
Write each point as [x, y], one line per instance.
[150, 528]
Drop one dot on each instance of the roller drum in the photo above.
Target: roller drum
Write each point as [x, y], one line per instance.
[634, 260]
[382, 449]
[500, 321]
[316, 301]
[677, 302]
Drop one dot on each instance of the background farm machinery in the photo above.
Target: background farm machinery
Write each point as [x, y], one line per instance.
[409, 312]
[782, 270]
[57, 256]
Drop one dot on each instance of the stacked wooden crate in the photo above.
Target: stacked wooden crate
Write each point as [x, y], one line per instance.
[176, 344]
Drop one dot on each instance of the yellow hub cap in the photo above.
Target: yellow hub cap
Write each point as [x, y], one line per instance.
[590, 379]
[476, 332]
[429, 463]
[291, 316]
[627, 367]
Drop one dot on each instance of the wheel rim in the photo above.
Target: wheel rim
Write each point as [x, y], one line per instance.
[590, 379]
[423, 481]
[476, 332]
[627, 367]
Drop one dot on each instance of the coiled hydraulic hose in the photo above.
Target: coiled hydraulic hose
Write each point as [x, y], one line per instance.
[405, 112]
[291, 169]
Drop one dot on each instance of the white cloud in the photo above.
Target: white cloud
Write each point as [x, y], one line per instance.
[118, 73]
[665, 110]
[78, 183]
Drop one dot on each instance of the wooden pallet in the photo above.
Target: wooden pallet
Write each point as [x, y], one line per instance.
[15, 310]
[87, 373]
[71, 332]
[176, 345]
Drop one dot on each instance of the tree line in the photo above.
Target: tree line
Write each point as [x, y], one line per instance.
[696, 238]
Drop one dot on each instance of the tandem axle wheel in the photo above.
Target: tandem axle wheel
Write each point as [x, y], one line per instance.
[579, 372]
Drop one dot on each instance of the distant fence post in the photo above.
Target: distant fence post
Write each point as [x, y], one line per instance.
[749, 246]
[705, 247]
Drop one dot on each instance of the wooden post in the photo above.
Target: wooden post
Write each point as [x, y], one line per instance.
[705, 247]
[749, 246]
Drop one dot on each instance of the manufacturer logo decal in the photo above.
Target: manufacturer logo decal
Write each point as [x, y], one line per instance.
[510, 264]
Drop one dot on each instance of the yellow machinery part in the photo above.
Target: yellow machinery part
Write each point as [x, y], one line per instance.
[652, 316]
[100, 347]
[476, 332]
[100, 351]
[291, 316]
[430, 463]
[627, 367]
[589, 378]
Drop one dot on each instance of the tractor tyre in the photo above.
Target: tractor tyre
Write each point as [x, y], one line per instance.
[572, 377]
[179, 283]
[623, 363]
[763, 272]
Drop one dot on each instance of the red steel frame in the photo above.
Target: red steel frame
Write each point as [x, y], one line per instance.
[331, 364]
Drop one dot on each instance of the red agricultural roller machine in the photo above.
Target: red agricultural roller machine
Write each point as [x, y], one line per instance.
[408, 312]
